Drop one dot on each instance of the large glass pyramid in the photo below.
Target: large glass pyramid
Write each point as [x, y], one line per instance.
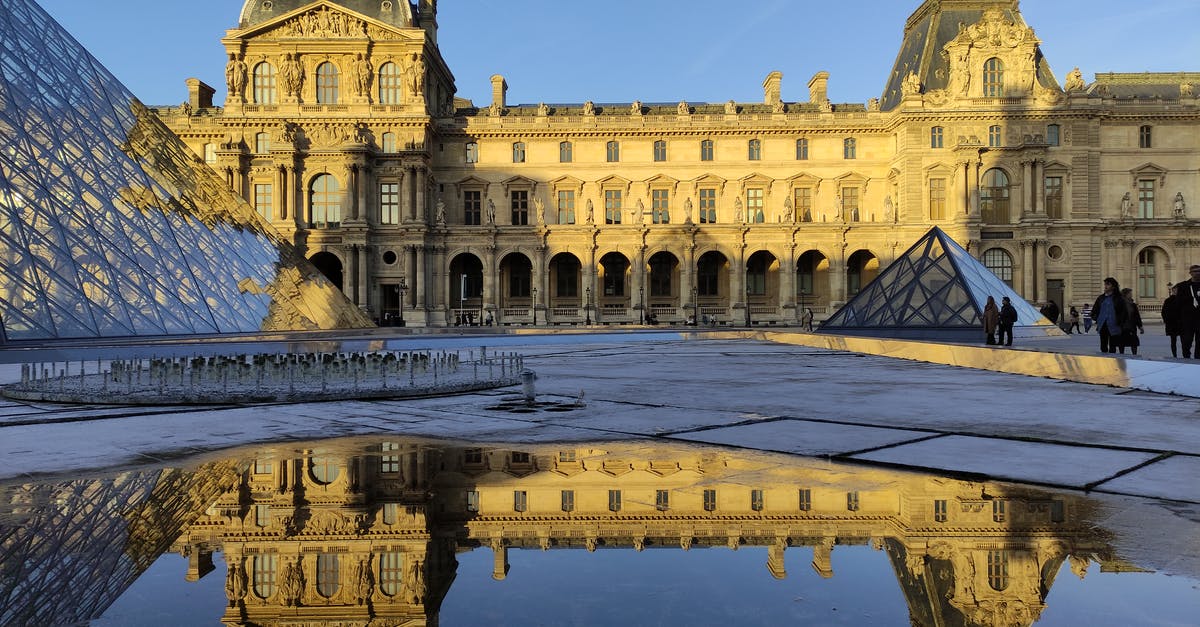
[935, 290]
[110, 226]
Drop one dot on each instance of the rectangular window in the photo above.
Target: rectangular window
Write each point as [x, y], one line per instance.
[802, 149]
[805, 500]
[473, 456]
[613, 152]
[614, 500]
[1145, 137]
[662, 500]
[566, 152]
[520, 501]
[389, 464]
[389, 203]
[999, 510]
[1146, 198]
[262, 199]
[566, 206]
[519, 152]
[520, 207]
[756, 500]
[262, 143]
[262, 515]
[708, 205]
[210, 153]
[1054, 197]
[804, 203]
[939, 510]
[1052, 135]
[755, 212]
[936, 137]
[472, 207]
[262, 466]
[660, 209]
[937, 199]
[391, 572]
[518, 457]
[568, 500]
[390, 513]
[710, 500]
[472, 500]
[995, 137]
[612, 206]
[706, 150]
[660, 150]
[849, 148]
[472, 152]
[852, 501]
[850, 209]
[754, 150]
[566, 456]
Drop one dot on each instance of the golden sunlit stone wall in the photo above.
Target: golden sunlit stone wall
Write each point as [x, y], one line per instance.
[586, 212]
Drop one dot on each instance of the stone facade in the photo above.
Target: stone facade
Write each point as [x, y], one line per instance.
[343, 128]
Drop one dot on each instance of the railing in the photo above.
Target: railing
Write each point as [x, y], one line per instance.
[763, 310]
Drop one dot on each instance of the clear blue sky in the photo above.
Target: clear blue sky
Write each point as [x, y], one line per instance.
[650, 50]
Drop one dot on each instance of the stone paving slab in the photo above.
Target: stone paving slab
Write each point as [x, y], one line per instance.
[1176, 478]
[816, 439]
[1028, 462]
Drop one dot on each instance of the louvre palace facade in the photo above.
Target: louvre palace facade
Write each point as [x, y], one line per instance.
[343, 129]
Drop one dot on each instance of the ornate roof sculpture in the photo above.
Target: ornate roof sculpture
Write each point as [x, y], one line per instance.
[934, 290]
[110, 226]
[393, 12]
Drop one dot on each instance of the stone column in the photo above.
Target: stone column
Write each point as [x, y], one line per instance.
[1039, 270]
[422, 179]
[420, 298]
[364, 176]
[1039, 186]
[491, 280]
[363, 275]
[296, 198]
[352, 172]
[408, 210]
[280, 201]
[1027, 288]
[1027, 188]
[973, 192]
[787, 282]
[687, 280]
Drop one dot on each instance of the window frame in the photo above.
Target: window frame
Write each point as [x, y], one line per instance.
[518, 152]
[660, 150]
[612, 151]
[754, 150]
[993, 78]
[707, 150]
[937, 137]
[849, 148]
[328, 87]
[390, 84]
[802, 149]
[264, 89]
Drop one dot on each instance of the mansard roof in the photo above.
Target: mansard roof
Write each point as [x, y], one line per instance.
[396, 13]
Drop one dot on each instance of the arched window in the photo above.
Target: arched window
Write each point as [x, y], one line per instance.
[262, 143]
[754, 148]
[323, 470]
[994, 197]
[391, 572]
[997, 569]
[327, 574]
[936, 137]
[613, 152]
[518, 149]
[265, 569]
[264, 84]
[388, 143]
[801, 149]
[993, 78]
[1000, 263]
[327, 83]
[849, 148]
[325, 202]
[390, 92]
[1147, 274]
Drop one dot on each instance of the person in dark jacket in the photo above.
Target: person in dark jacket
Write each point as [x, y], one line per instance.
[1109, 312]
[1132, 326]
[1187, 304]
[1008, 318]
[1170, 316]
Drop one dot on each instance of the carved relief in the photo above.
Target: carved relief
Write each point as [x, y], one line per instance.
[323, 24]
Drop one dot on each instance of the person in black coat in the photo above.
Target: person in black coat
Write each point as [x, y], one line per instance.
[1008, 318]
[1109, 312]
[1187, 304]
[1170, 316]
[1132, 326]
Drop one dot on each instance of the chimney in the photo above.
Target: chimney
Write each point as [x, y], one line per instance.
[499, 91]
[772, 88]
[200, 95]
[818, 88]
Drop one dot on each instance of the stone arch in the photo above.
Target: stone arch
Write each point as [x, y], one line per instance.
[812, 279]
[862, 267]
[330, 265]
[465, 277]
[566, 279]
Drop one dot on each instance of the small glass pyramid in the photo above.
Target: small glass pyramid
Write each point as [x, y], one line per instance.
[110, 226]
[934, 290]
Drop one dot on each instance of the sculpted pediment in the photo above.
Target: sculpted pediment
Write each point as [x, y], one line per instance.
[994, 31]
[326, 20]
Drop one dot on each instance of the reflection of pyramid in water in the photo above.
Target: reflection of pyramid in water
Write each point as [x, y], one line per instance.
[109, 226]
[935, 289]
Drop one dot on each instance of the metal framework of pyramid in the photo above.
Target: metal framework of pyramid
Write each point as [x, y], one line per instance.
[935, 290]
[110, 226]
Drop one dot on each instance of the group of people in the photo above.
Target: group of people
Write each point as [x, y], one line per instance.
[1181, 314]
[1118, 319]
[998, 322]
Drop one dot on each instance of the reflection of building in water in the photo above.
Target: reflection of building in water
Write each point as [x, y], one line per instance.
[332, 537]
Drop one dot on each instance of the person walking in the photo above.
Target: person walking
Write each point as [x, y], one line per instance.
[1087, 318]
[1132, 326]
[806, 320]
[1170, 317]
[1109, 313]
[991, 319]
[1073, 320]
[1008, 318]
[1187, 305]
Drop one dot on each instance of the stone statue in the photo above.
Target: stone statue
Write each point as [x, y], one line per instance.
[730, 108]
[440, 212]
[687, 211]
[590, 215]
[1185, 90]
[291, 74]
[682, 107]
[292, 585]
[639, 212]
[873, 105]
[787, 214]
[589, 108]
[1180, 207]
[1126, 206]
[235, 76]
[635, 108]
[362, 75]
[185, 108]
[889, 210]
[417, 76]
[543, 109]
[364, 582]
[414, 592]
[235, 584]
[540, 208]
[779, 107]
[491, 212]
[837, 209]
[1074, 81]
[911, 84]
[737, 210]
